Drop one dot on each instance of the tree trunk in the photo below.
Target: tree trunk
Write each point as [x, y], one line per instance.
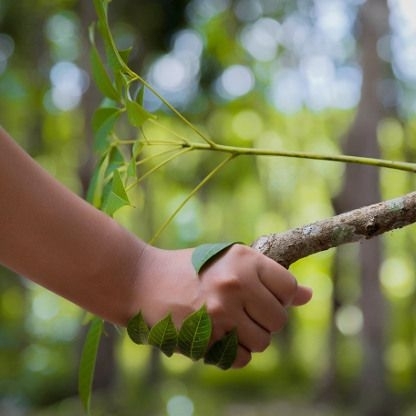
[361, 187]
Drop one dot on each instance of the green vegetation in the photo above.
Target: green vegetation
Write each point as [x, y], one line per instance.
[171, 179]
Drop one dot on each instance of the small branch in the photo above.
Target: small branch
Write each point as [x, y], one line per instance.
[356, 225]
[207, 178]
[249, 151]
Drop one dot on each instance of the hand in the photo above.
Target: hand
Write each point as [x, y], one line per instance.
[241, 288]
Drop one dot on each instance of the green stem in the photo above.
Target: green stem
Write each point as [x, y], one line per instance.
[158, 166]
[190, 195]
[206, 139]
[241, 151]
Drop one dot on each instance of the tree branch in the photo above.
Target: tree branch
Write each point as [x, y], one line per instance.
[359, 224]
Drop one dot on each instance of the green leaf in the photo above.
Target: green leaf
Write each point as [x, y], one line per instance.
[117, 159]
[113, 55]
[140, 96]
[118, 197]
[137, 114]
[103, 122]
[138, 330]
[224, 352]
[95, 190]
[125, 54]
[194, 334]
[118, 186]
[132, 168]
[101, 77]
[88, 360]
[164, 336]
[137, 148]
[205, 252]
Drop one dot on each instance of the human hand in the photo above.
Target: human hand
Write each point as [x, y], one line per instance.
[241, 288]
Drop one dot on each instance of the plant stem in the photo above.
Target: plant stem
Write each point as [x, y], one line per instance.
[158, 166]
[241, 151]
[190, 195]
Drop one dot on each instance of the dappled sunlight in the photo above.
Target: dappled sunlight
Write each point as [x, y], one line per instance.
[397, 277]
[235, 81]
[68, 85]
[253, 74]
[248, 125]
[349, 320]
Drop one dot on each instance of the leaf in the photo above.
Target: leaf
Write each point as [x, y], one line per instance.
[118, 186]
[132, 168]
[137, 114]
[137, 148]
[103, 122]
[101, 77]
[88, 360]
[118, 197]
[138, 330]
[95, 190]
[164, 336]
[113, 55]
[140, 96]
[205, 252]
[224, 352]
[117, 159]
[125, 54]
[194, 334]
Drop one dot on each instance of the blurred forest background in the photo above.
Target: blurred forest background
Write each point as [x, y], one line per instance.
[324, 76]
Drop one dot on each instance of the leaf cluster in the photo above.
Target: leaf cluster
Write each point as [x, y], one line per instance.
[192, 339]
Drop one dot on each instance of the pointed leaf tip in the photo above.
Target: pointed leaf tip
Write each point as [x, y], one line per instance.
[195, 333]
[138, 330]
[88, 360]
[164, 336]
[224, 352]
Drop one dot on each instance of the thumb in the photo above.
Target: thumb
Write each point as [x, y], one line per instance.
[303, 295]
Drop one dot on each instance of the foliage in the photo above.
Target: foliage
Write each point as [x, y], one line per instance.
[113, 175]
[87, 364]
[251, 197]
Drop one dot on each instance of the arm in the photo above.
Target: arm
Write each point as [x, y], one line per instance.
[53, 237]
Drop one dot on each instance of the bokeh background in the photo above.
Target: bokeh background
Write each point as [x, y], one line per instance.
[322, 76]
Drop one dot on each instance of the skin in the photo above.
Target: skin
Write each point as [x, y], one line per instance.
[56, 239]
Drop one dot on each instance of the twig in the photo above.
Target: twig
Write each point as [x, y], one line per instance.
[359, 224]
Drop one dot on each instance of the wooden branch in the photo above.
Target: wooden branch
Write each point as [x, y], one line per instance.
[356, 225]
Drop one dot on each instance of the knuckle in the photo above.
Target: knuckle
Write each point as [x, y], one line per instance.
[240, 249]
[230, 283]
[216, 309]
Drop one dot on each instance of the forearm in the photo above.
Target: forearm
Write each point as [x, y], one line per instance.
[56, 239]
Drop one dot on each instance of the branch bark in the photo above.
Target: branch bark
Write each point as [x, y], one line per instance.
[362, 223]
